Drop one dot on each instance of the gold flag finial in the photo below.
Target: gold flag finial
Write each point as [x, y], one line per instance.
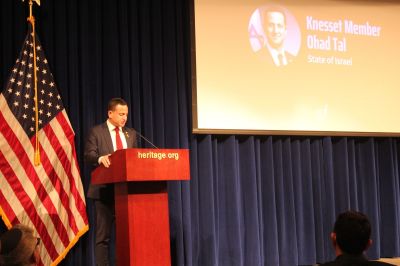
[37, 1]
[30, 7]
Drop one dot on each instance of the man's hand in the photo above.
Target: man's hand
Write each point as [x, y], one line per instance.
[105, 160]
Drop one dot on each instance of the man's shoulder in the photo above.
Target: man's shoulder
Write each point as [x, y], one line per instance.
[97, 130]
[331, 263]
[360, 263]
[129, 129]
[289, 55]
[99, 127]
[379, 263]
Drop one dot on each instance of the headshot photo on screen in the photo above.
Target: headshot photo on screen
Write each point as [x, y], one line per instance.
[274, 35]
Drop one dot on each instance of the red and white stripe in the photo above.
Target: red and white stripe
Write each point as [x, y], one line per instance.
[48, 197]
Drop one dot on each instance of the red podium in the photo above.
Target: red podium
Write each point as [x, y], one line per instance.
[141, 201]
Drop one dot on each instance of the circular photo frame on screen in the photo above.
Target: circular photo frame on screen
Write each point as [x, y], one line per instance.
[274, 30]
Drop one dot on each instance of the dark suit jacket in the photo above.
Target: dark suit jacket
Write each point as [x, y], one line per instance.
[354, 260]
[99, 143]
[265, 54]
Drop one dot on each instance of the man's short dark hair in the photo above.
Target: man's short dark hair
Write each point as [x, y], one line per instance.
[114, 102]
[271, 9]
[17, 246]
[353, 231]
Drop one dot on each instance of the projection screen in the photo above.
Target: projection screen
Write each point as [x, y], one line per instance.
[312, 67]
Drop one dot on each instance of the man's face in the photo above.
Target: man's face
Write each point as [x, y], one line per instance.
[119, 115]
[275, 28]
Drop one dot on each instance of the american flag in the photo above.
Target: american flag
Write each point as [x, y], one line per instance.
[48, 197]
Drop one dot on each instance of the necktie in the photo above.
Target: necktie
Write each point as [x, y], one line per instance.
[118, 140]
[281, 61]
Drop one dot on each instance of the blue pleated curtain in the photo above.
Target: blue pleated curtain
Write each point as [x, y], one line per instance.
[273, 200]
[252, 200]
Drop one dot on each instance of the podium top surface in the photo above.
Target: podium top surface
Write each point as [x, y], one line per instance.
[144, 165]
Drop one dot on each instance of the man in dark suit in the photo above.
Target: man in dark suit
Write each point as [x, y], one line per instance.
[274, 25]
[351, 238]
[103, 140]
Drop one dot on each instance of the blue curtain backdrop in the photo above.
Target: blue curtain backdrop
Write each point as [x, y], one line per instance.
[252, 200]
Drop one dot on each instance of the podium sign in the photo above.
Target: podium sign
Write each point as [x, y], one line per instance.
[144, 165]
[141, 201]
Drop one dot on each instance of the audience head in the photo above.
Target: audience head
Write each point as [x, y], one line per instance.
[351, 233]
[19, 247]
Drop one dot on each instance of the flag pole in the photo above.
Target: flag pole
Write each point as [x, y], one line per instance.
[31, 19]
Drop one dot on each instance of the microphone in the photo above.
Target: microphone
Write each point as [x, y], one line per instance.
[148, 141]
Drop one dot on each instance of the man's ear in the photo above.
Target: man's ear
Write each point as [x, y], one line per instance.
[333, 238]
[35, 258]
[368, 244]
